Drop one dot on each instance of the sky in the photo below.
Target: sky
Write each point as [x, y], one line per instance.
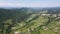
[29, 3]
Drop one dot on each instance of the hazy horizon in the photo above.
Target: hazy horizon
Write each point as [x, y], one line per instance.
[29, 3]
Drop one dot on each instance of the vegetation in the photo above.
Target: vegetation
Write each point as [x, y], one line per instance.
[30, 21]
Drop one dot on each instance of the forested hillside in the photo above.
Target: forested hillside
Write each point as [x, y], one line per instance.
[30, 21]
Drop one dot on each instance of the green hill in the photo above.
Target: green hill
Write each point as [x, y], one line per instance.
[26, 22]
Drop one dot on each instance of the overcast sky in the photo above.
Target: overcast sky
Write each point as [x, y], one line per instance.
[29, 3]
